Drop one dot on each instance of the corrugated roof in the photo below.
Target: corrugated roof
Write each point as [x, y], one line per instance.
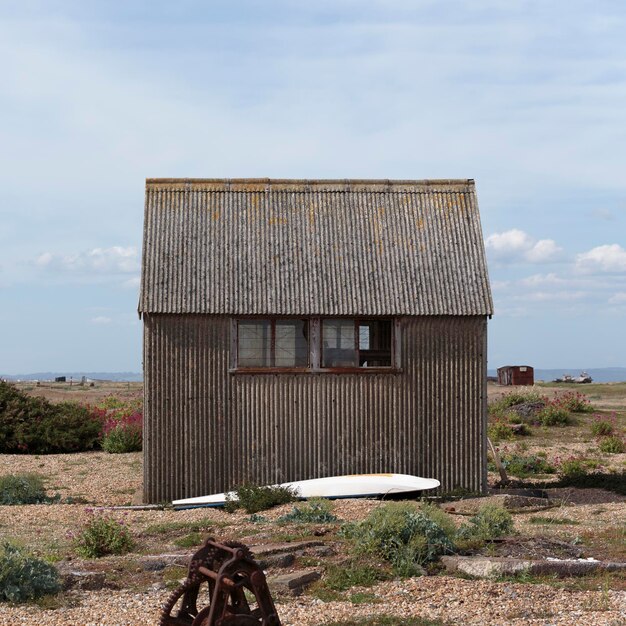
[313, 247]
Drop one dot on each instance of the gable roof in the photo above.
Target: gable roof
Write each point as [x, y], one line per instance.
[313, 247]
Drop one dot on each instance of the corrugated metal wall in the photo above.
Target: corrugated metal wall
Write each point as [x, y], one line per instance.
[207, 429]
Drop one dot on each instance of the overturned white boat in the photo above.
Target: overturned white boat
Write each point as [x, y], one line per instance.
[351, 486]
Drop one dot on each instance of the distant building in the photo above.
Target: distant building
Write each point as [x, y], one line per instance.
[297, 329]
[516, 375]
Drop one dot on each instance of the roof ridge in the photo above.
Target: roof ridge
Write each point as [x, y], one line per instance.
[311, 182]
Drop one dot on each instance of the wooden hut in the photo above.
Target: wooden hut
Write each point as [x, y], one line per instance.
[296, 329]
[516, 375]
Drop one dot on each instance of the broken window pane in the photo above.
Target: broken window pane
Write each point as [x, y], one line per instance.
[338, 343]
[356, 343]
[374, 343]
[292, 347]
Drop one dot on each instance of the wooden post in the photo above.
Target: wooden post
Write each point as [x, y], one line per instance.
[496, 458]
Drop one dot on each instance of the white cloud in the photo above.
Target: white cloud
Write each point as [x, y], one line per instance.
[114, 260]
[101, 319]
[509, 242]
[610, 258]
[516, 245]
[553, 296]
[539, 280]
[618, 298]
[45, 259]
[543, 251]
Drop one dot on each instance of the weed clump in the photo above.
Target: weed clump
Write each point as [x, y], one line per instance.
[315, 511]
[123, 433]
[575, 402]
[24, 578]
[253, 498]
[603, 427]
[353, 574]
[500, 430]
[491, 521]
[23, 489]
[507, 427]
[189, 541]
[517, 397]
[553, 414]
[612, 444]
[103, 535]
[404, 535]
[522, 465]
[572, 468]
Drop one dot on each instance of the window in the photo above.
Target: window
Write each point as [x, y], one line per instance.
[356, 343]
[314, 344]
[275, 343]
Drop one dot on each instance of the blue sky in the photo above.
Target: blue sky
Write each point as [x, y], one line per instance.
[526, 97]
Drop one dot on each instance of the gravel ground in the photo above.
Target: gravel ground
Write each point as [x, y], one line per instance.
[99, 477]
[105, 479]
[453, 600]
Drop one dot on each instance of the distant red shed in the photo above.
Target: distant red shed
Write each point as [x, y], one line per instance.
[516, 375]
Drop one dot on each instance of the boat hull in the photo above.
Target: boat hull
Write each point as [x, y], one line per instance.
[332, 487]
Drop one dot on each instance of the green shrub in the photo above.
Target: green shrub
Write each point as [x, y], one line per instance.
[554, 415]
[573, 468]
[103, 535]
[491, 521]
[315, 511]
[518, 397]
[23, 577]
[612, 445]
[189, 541]
[120, 406]
[440, 517]
[353, 574]
[403, 535]
[499, 430]
[252, 498]
[123, 437]
[23, 489]
[524, 465]
[575, 402]
[36, 426]
[602, 428]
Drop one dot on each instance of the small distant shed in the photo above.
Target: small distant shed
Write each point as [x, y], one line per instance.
[516, 375]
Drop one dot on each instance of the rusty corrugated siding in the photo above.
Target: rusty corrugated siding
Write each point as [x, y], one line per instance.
[272, 247]
[207, 429]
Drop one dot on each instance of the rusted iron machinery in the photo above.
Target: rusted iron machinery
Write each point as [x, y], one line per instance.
[232, 577]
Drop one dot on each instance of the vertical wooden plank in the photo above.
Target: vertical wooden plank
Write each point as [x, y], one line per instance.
[397, 343]
[315, 342]
[232, 353]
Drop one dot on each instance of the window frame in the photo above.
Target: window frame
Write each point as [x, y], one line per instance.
[259, 369]
[393, 348]
[315, 346]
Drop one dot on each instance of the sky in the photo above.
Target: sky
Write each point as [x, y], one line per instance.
[526, 97]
